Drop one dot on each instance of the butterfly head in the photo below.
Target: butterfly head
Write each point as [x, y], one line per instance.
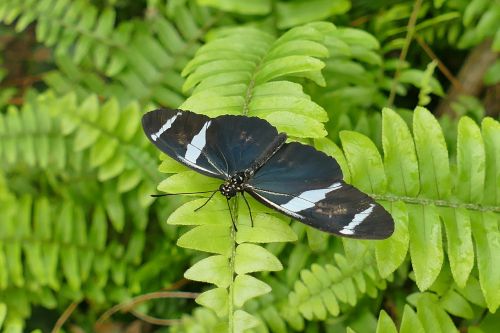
[236, 183]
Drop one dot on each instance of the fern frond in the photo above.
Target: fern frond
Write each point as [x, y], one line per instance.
[202, 319]
[324, 290]
[53, 250]
[415, 182]
[480, 18]
[28, 137]
[457, 301]
[142, 59]
[294, 13]
[258, 7]
[229, 77]
[434, 24]
[79, 204]
[429, 317]
[354, 82]
[288, 14]
[358, 81]
[244, 71]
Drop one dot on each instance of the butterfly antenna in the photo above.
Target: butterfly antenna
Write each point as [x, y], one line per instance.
[248, 206]
[210, 197]
[231, 213]
[181, 193]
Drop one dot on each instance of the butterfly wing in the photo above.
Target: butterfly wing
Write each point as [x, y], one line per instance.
[183, 135]
[217, 147]
[307, 185]
[241, 140]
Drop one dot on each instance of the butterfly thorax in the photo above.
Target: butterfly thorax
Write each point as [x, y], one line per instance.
[236, 183]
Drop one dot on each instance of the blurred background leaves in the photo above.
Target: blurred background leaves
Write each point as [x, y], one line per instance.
[77, 224]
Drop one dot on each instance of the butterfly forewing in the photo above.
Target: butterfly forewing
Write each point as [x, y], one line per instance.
[184, 136]
[217, 147]
[307, 185]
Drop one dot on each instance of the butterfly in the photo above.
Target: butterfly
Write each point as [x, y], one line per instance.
[250, 156]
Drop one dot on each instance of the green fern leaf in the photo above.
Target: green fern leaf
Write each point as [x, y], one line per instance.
[293, 13]
[418, 203]
[322, 290]
[410, 321]
[226, 76]
[258, 7]
[215, 299]
[385, 324]
[140, 59]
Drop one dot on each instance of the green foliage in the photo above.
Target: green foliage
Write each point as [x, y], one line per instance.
[327, 290]
[419, 174]
[253, 82]
[357, 82]
[482, 16]
[286, 13]
[142, 59]
[429, 317]
[414, 182]
[74, 175]
[240, 83]
[76, 172]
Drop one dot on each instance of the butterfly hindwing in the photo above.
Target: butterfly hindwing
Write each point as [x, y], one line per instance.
[241, 140]
[307, 185]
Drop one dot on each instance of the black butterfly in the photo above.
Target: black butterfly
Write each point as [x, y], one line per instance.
[249, 155]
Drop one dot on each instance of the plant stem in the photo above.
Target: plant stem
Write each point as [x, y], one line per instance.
[435, 202]
[62, 319]
[230, 315]
[409, 36]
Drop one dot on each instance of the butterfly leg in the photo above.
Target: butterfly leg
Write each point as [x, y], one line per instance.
[248, 206]
[210, 197]
[231, 213]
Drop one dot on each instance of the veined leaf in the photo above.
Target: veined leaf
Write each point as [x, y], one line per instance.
[218, 242]
[214, 269]
[487, 237]
[410, 322]
[385, 324]
[460, 249]
[470, 161]
[365, 163]
[435, 178]
[215, 299]
[247, 287]
[297, 12]
[244, 321]
[243, 86]
[253, 258]
[400, 159]
[392, 252]
[491, 137]
[258, 7]
[425, 244]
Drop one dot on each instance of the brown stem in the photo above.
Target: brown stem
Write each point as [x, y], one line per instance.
[491, 101]
[409, 36]
[177, 285]
[154, 320]
[65, 315]
[470, 77]
[442, 67]
[130, 304]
